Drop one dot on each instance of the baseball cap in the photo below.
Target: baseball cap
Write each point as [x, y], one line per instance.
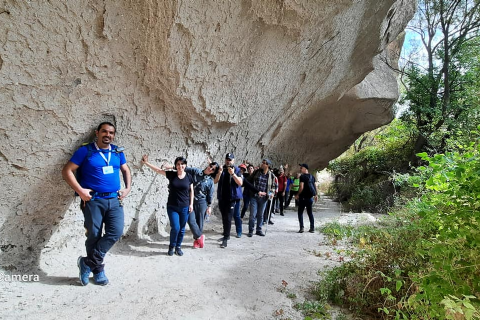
[229, 156]
[243, 166]
[303, 165]
[268, 162]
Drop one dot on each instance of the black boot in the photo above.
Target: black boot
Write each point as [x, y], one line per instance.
[224, 243]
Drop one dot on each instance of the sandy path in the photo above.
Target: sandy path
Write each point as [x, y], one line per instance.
[241, 281]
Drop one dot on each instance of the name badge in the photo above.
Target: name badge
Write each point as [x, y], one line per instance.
[107, 169]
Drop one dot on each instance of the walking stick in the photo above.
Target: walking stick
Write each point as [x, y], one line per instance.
[269, 214]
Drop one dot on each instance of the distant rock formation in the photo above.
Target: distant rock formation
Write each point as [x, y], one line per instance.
[289, 80]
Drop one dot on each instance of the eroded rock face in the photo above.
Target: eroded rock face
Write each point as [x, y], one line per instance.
[295, 81]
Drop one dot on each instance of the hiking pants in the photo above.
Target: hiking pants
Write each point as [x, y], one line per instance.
[100, 213]
[302, 204]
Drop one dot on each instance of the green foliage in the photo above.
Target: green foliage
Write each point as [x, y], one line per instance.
[384, 259]
[460, 308]
[422, 262]
[337, 230]
[314, 309]
[364, 180]
[441, 79]
[291, 295]
[452, 207]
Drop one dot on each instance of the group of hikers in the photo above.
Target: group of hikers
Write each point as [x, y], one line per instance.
[93, 172]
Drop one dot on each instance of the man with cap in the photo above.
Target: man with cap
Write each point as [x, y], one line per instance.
[229, 193]
[261, 184]
[307, 192]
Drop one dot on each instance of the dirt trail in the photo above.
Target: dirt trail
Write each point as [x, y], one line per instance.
[241, 281]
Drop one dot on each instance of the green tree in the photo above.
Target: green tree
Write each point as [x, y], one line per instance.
[441, 78]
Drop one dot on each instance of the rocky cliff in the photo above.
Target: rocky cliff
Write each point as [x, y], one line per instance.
[289, 80]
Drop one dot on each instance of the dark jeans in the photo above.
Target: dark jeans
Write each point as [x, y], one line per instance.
[100, 213]
[267, 214]
[246, 203]
[178, 217]
[302, 204]
[292, 195]
[227, 208]
[280, 199]
[197, 217]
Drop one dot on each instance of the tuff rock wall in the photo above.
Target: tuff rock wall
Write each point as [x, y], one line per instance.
[292, 80]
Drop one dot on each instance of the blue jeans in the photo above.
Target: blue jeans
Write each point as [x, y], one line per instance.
[302, 204]
[178, 217]
[257, 207]
[237, 218]
[99, 213]
[196, 218]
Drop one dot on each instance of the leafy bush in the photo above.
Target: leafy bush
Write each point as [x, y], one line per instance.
[364, 179]
[384, 259]
[423, 262]
[452, 207]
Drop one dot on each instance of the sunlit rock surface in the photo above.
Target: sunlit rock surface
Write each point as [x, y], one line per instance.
[295, 81]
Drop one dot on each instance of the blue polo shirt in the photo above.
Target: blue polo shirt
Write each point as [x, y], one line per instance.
[90, 174]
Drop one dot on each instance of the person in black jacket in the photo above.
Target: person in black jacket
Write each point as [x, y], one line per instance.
[229, 193]
[307, 193]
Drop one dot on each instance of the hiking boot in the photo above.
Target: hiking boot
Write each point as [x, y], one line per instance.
[311, 230]
[100, 278]
[239, 235]
[260, 233]
[196, 244]
[281, 214]
[250, 234]
[84, 271]
[224, 238]
[224, 243]
[170, 251]
[301, 230]
[270, 222]
[201, 241]
[178, 251]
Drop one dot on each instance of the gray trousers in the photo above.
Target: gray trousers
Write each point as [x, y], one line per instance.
[197, 217]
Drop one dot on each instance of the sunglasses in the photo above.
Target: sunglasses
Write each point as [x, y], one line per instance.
[212, 166]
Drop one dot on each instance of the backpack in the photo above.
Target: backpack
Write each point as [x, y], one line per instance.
[310, 190]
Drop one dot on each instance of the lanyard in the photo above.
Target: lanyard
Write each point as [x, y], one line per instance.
[103, 156]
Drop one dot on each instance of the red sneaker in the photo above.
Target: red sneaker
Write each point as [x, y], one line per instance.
[196, 244]
[201, 241]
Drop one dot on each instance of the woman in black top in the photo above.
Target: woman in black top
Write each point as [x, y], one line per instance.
[180, 201]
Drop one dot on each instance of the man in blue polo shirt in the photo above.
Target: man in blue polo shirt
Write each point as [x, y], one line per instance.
[97, 182]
